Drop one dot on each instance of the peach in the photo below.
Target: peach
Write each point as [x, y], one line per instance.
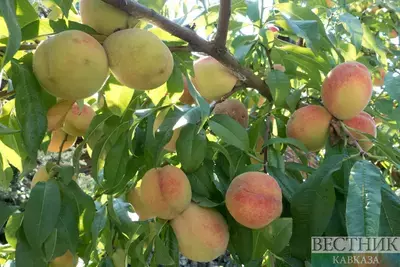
[362, 123]
[347, 90]
[202, 233]
[140, 208]
[310, 125]
[273, 28]
[66, 260]
[71, 65]
[393, 34]
[165, 191]
[234, 109]
[186, 97]
[102, 17]
[56, 114]
[254, 199]
[40, 176]
[139, 59]
[379, 79]
[57, 137]
[212, 79]
[78, 120]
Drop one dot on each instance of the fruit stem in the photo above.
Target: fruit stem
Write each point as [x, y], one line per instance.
[61, 148]
[353, 139]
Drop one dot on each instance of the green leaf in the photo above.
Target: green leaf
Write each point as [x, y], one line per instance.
[392, 85]
[288, 140]
[99, 222]
[115, 162]
[370, 41]
[230, 131]
[277, 234]
[5, 212]
[6, 173]
[240, 240]
[50, 245]
[122, 210]
[312, 206]
[280, 87]
[307, 29]
[41, 212]
[65, 6]
[162, 253]
[4, 130]
[252, 10]
[175, 81]
[288, 185]
[390, 213]
[353, 26]
[7, 10]
[12, 227]
[31, 112]
[117, 96]
[363, 200]
[156, 5]
[67, 228]
[25, 12]
[25, 256]
[191, 147]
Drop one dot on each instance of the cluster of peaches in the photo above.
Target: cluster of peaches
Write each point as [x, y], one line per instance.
[253, 199]
[345, 93]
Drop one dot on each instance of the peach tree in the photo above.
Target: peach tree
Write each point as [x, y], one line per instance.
[205, 128]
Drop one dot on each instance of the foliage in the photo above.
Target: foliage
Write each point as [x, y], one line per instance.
[326, 198]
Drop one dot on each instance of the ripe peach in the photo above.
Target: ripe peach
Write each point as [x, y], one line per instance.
[393, 34]
[212, 79]
[139, 59]
[40, 176]
[66, 260]
[310, 125]
[362, 123]
[56, 114]
[347, 90]
[57, 137]
[273, 28]
[202, 233]
[379, 80]
[165, 191]
[234, 109]
[102, 17]
[77, 121]
[279, 67]
[186, 97]
[254, 199]
[140, 208]
[71, 65]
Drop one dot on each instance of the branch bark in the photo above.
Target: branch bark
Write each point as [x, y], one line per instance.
[195, 42]
[223, 24]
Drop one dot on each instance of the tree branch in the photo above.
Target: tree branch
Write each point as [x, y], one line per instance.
[196, 43]
[180, 48]
[223, 24]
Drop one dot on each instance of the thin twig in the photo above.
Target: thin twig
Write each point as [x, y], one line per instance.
[226, 96]
[180, 48]
[61, 148]
[265, 149]
[22, 47]
[223, 24]
[196, 43]
[353, 139]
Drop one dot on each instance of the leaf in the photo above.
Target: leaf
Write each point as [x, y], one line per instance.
[25, 12]
[98, 224]
[175, 81]
[240, 240]
[122, 210]
[12, 227]
[25, 255]
[50, 245]
[277, 234]
[4, 130]
[280, 87]
[67, 228]
[156, 5]
[288, 185]
[162, 253]
[353, 26]
[5, 212]
[307, 29]
[392, 85]
[371, 42]
[252, 10]
[390, 213]
[65, 6]
[7, 10]
[117, 96]
[288, 140]
[31, 113]
[41, 212]
[115, 162]
[363, 200]
[191, 147]
[312, 206]
[230, 131]
[6, 173]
